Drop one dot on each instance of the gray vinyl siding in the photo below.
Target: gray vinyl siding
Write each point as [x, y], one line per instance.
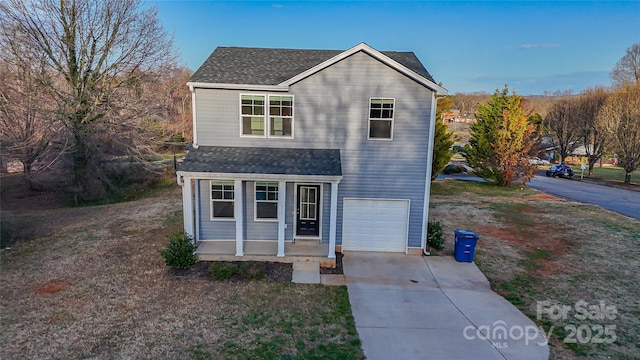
[326, 212]
[289, 210]
[253, 230]
[331, 112]
[256, 230]
[212, 230]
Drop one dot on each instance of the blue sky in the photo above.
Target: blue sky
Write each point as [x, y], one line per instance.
[533, 46]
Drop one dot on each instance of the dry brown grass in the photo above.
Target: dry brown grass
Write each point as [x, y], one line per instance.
[90, 283]
[534, 247]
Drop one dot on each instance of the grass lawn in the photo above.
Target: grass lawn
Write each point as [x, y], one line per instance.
[608, 173]
[89, 283]
[536, 248]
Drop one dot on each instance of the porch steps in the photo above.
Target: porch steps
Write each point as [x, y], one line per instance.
[307, 242]
[307, 272]
[265, 251]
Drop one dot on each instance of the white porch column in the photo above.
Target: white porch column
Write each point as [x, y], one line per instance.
[187, 205]
[332, 221]
[282, 197]
[196, 207]
[238, 210]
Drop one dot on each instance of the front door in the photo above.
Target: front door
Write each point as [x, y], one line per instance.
[307, 210]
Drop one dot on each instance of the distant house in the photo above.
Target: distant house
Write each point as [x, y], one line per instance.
[298, 154]
[452, 116]
[455, 116]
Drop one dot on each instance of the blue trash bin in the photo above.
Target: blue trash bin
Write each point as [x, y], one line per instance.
[464, 245]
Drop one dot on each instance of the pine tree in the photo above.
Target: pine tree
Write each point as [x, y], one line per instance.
[501, 141]
[442, 139]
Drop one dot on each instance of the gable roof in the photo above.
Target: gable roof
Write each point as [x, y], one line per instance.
[273, 68]
[258, 160]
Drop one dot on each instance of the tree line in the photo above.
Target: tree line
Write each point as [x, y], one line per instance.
[600, 120]
[86, 82]
[508, 131]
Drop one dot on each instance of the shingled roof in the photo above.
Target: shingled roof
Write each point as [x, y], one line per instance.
[258, 160]
[261, 66]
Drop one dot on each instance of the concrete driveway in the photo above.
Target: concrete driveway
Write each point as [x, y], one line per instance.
[415, 307]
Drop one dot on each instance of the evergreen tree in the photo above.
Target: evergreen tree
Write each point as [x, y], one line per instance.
[442, 139]
[501, 141]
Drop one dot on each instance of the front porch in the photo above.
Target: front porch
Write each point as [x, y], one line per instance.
[265, 251]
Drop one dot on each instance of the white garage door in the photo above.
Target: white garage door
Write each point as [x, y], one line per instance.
[375, 225]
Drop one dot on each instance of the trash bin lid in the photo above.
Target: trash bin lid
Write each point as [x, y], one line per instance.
[466, 234]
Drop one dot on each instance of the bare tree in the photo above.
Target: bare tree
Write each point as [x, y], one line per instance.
[171, 101]
[29, 130]
[25, 124]
[621, 117]
[539, 104]
[468, 103]
[95, 54]
[627, 69]
[593, 135]
[560, 120]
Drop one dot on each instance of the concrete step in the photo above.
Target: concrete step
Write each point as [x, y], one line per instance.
[307, 272]
[303, 241]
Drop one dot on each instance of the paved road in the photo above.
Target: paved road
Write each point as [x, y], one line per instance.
[626, 202]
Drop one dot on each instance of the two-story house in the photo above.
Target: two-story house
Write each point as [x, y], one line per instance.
[298, 154]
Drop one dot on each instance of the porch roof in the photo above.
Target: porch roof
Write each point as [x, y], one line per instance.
[262, 160]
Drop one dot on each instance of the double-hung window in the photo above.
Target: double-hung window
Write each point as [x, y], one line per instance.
[381, 118]
[281, 116]
[222, 200]
[266, 115]
[253, 115]
[266, 201]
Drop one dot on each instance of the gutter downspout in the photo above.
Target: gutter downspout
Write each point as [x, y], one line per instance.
[194, 141]
[427, 195]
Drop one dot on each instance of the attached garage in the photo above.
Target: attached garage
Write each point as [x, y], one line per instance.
[375, 225]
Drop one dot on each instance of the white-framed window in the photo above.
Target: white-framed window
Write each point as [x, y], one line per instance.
[266, 115]
[222, 200]
[281, 115]
[252, 115]
[381, 118]
[266, 203]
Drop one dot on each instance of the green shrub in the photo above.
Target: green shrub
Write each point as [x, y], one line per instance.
[435, 238]
[222, 270]
[178, 138]
[252, 270]
[179, 253]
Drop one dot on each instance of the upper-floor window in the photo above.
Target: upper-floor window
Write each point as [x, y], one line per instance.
[381, 118]
[280, 115]
[276, 121]
[253, 115]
